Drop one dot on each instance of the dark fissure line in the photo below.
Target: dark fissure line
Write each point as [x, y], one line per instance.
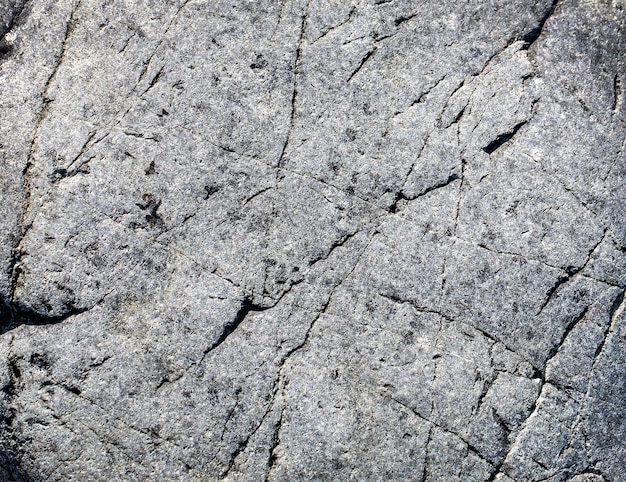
[13, 315]
[531, 37]
[365, 58]
[246, 308]
[502, 139]
[402, 197]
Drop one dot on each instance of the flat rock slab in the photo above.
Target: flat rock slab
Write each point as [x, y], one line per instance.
[312, 240]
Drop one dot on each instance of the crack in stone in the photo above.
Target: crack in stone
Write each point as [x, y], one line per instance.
[26, 173]
[294, 91]
[274, 444]
[470, 446]
[150, 435]
[14, 314]
[327, 30]
[570, 274]
[111, 127]
[361, 64]
[502, 139]
[533, 35]
[247, 306]
[616, 309]
[402, 197]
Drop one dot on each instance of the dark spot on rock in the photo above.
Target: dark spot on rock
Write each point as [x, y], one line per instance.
[260, 63]
[151, 169]
[209, 190]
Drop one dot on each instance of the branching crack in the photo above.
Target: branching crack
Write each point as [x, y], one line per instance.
[533, 409]
[569, 273]
[402, 197]
[469, 445]
[450, 319]
[111, 416]
[333, 247]
[246, 308]
[327, 30]
[154, 80]
[241, 446]
[132, 93]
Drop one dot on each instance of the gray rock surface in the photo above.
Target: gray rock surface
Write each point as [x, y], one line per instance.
[312, 240]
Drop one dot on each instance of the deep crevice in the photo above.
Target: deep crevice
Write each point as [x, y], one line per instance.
[14, 314]
[531, 37]
[502, 139]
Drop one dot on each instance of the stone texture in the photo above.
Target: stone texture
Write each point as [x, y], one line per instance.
[312, 240]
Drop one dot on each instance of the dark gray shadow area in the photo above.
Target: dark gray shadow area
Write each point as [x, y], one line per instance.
[10, 470]
[13, 315]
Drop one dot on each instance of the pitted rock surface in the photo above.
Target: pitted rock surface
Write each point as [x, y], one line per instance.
[312, 240]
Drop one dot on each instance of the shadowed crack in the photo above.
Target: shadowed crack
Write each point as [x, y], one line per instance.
[275, 443]
[400, 20]
[502, 139]
[14, 314]
[561, 280]
[487, 383]
[333, 247]
[568, 329]
[154, 80]
[531, 37]
[294, 90]
[229, 328]
[402, 197]
[277, 381]
[616, 309]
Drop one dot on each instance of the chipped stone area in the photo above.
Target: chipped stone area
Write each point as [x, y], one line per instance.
[312, 240]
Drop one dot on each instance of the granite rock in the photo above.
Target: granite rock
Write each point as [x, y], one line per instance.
[312, 240]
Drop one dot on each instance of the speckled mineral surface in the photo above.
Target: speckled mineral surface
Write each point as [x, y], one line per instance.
[312, 240]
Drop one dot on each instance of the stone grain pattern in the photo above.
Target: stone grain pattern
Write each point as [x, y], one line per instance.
[312, 240]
